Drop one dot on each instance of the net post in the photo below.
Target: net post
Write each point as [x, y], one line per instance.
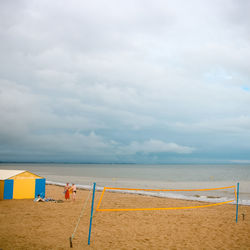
[91, 215]
[237, 202]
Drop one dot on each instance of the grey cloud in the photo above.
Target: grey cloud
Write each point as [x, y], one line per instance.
[156, 146]
[123, 75]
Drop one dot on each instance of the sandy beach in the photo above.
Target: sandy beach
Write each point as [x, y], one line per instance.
[25, 224]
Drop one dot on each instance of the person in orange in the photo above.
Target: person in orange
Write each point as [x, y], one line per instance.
[66, 191]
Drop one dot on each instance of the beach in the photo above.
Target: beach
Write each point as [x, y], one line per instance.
[26, 224]
[147, 101]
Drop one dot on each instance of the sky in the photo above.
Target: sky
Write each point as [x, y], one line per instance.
[130, 81]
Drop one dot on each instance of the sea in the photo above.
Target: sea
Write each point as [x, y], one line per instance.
[134, 176]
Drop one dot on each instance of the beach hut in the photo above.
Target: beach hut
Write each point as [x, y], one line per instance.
[20, 184]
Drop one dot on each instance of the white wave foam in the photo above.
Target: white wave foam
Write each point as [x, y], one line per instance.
[161, 194]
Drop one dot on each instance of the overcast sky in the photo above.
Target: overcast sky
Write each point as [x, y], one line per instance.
[125, 81]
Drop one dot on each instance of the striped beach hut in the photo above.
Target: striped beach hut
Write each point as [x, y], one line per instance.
[20, 184]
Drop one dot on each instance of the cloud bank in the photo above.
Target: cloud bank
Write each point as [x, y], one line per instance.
[142, 82]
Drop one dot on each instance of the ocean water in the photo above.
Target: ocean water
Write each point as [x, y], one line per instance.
[151, 177]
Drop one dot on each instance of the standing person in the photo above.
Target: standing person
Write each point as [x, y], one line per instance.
[74, 191]
[66, 191]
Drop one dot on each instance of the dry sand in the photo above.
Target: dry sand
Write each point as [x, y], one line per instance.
[25, 224]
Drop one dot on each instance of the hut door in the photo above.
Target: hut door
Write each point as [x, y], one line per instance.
[24, 189]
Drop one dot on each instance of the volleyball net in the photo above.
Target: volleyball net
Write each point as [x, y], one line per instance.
[112, 200]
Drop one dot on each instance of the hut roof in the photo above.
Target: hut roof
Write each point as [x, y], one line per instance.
[6, 174]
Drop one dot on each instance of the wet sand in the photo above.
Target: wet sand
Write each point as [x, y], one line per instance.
[25, 224]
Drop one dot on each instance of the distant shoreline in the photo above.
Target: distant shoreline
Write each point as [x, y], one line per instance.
[127, 163]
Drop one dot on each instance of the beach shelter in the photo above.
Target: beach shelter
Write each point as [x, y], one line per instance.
[20, 184]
